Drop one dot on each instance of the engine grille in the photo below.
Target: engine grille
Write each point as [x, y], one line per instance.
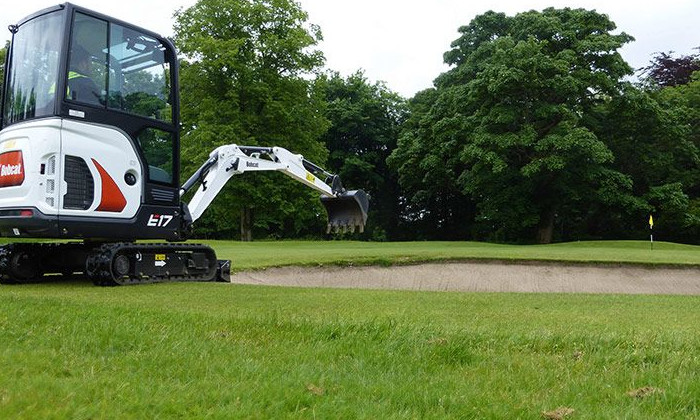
[80, 192]
[158, 194]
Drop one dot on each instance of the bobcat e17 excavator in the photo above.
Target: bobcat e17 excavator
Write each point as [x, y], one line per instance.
[90, 152]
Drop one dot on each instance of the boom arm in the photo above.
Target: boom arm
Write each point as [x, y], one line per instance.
[346, 209]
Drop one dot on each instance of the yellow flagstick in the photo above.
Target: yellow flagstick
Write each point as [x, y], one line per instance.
[651, 231]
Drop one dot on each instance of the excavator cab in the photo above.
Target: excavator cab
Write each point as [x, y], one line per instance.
[90, 130]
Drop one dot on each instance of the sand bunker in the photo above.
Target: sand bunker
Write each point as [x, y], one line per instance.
[488, 277]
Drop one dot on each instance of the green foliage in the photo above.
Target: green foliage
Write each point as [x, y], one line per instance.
[434, 206]
[507, 121]
[365, 123]
[684, 100]
[245, 81]
[652, 135]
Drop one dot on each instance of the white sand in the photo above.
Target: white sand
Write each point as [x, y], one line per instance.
[488, 277]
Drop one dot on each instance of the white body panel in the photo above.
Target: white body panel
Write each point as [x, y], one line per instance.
[39, 141]
[44, 145]
[111, 149]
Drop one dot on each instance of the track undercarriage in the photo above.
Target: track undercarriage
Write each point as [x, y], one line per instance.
[110, 264]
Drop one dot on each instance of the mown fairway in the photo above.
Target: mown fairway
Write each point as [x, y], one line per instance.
[252, 255]
[71, 350]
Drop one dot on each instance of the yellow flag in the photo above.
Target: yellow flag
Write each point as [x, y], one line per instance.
[651, 222]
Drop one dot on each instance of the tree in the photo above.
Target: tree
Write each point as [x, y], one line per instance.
[433, 205]
[508, 118]
[245, 80]
[685, 100]
[643, 137]
[365, 123]
[675, 192]
[665, 70]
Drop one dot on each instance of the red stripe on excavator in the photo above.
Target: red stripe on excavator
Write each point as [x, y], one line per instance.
[112, 197]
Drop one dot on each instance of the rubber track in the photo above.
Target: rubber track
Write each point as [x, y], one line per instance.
[36, 251]
[100, 261]
[5, 255]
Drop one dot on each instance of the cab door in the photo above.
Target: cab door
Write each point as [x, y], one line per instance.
[120, 131]
[99, 162]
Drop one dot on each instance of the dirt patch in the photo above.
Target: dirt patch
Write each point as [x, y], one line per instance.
[644, 392]
[558, 414]
[488, 277]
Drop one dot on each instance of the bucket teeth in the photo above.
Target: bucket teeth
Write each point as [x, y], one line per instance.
[346, 212]
[338, 227]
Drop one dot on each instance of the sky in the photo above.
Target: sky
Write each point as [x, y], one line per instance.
[401, 42]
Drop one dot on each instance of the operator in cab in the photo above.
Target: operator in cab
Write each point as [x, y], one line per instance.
[81, 88]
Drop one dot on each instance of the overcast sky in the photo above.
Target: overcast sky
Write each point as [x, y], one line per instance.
[401, 42]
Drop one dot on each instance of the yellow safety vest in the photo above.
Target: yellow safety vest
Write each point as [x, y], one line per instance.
[71, 75]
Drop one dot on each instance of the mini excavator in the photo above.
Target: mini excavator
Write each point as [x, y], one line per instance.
[90, 153]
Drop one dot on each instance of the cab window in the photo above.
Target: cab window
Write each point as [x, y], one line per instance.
[139, 81]
[119, 68]
[87, 64]
[34, 58]
[157, 147]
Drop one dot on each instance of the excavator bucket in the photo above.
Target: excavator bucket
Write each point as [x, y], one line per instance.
[346, 211]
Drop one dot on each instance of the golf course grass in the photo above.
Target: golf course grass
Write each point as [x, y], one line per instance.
[255, 255]
[72, 350]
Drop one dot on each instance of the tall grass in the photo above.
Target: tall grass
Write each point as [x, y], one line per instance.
[227, 351]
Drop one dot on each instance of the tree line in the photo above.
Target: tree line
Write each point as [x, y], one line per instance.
[536, 133]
